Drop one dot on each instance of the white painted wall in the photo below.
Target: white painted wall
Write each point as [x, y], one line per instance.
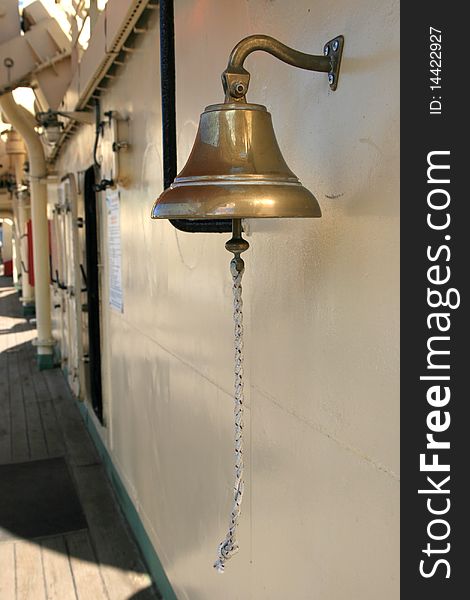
[320, 516]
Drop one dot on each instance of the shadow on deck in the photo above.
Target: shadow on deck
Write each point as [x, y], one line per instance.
[97, 557]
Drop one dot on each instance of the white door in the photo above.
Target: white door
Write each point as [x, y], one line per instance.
[73, 285]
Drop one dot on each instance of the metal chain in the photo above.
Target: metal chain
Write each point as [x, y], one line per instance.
[229, 547]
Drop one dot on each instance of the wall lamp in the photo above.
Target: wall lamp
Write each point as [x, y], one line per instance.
[236, 171]
[52, 128]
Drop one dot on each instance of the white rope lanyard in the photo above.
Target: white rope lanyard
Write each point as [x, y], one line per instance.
[229, 546]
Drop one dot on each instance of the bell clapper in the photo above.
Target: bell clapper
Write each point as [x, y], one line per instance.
[236, 245]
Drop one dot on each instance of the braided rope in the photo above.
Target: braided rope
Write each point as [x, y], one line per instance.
[229, 546]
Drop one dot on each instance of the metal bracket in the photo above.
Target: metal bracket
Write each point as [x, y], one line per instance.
[334, 50]
[103, 185]
[236, 79]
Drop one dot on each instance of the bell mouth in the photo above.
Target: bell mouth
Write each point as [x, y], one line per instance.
[235, 200]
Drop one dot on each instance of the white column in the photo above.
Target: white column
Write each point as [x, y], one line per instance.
[21, 210]
[21, 120]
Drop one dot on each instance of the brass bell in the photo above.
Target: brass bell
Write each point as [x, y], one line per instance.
[235, 170]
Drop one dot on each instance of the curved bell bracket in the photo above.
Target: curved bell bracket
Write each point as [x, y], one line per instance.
[236, 79]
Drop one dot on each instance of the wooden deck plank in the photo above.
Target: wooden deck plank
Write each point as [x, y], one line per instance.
[57, 570]
[86, 572]
[54, 440]
[7, 571]
[51, 427]
[36, 437]
[5, 425]
[8, 301]
[29, 572]
[19, 433]
[123, 571]
[80, 448]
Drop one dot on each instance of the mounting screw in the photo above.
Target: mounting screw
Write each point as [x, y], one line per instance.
[326, 50]
[331, 79]
[103, 185]
[238, 89]
[335, 45]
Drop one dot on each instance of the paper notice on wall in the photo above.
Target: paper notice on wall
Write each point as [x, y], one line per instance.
[114, 250]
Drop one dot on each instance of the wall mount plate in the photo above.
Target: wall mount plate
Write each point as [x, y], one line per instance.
[334, 50]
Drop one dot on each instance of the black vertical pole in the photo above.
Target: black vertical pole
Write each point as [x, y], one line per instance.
[168, 91]
[167, 69]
